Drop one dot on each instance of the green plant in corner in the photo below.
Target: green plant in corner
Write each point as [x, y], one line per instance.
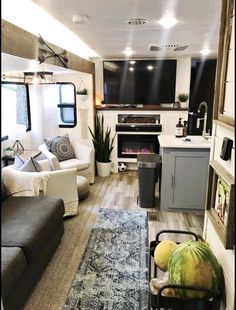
[102, 141]
[182, 97]
[9, 148]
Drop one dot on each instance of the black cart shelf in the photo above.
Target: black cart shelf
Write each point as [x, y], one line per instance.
[161, 302]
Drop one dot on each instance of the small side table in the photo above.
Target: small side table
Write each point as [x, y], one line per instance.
[7, 160]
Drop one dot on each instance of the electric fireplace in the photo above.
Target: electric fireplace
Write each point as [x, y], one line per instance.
[130, 145]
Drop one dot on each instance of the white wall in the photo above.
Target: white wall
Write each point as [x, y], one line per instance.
[225, 257]
[183, 75]
[183, 72]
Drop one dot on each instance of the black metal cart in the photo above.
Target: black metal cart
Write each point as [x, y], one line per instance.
[161, 302]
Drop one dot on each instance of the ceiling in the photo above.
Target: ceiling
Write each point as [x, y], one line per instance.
[108, 32]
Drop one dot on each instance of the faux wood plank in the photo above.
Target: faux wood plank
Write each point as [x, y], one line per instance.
[119, 191]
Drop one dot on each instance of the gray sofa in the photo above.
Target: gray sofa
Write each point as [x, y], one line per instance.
[32, 228]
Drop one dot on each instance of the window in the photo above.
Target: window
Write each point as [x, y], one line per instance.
[67, 105]
[15, 107]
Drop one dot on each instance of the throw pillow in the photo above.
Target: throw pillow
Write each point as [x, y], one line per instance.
[19, 161]
[28, 165]
[31, 165]
[61, 147]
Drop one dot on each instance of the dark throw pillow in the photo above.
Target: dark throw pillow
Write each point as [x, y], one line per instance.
[61, 147]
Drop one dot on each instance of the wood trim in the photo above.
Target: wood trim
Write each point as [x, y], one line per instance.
[225, 231]
[223, 124]
[18, 42]
[222, 62]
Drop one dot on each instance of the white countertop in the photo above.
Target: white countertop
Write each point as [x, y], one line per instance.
[172, 141]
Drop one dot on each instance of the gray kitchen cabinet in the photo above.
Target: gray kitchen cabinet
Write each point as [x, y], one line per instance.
[184, 178]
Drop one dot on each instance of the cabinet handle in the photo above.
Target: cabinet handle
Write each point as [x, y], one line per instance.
[172, 181]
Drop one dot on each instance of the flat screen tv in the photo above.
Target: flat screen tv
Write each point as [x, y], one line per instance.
[146, 82]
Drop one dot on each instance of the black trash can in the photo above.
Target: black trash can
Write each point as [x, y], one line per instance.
[149, 173]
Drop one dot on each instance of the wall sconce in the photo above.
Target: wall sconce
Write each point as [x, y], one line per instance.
[42, 77]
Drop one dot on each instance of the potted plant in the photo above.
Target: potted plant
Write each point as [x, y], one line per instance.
[83, 91]
[103, 145]
[182, 97]
[9, 151]
[83, 94]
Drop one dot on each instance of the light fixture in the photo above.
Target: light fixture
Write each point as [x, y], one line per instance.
[168, 21]
[205, 51]
[150, 68]
[131, 69]
[132, 62]
[79, 19]
[18, 133]
[128, 51]
[41, 77]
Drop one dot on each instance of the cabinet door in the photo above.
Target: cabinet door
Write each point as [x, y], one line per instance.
[184, 179]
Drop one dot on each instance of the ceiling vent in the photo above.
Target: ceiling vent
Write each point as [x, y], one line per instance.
[167, 47]
[137, 21]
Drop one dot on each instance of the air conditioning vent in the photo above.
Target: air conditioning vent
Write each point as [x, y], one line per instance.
[154, 48]
[167, 47]
[137, 21]
[180, 48]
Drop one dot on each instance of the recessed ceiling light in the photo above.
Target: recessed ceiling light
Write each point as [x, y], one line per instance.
[205, 51]
[79, 19]
[131, 69]
[168, 21]
[128, 51]
[132, 62]
[150, 67]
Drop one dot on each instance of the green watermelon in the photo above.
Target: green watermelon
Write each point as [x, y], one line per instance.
[193, 263]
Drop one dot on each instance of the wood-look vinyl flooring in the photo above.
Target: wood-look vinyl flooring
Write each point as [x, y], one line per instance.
[118, 191]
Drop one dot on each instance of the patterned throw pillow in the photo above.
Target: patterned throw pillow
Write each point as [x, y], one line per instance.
[61, 147]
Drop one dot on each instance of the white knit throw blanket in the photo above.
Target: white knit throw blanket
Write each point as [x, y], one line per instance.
[21, 183]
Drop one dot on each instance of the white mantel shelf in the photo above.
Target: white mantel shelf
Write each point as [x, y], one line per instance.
[170, 141]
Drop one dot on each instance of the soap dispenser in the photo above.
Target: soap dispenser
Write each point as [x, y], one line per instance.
[185, 129]
[179, 129]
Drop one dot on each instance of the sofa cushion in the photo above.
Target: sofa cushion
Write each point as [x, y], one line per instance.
[13, 264]
[74, 163]
[61, 147]
[27, 222]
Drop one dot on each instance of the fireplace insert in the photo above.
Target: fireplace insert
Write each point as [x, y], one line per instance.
[130, 145]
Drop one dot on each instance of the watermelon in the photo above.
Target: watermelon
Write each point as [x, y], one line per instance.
[193, 263]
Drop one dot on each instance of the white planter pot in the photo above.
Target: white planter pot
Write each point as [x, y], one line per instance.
[9, 153]
[82, 98]
[183, 104]
[103, 169]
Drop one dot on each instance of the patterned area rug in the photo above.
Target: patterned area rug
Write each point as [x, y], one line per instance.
[113, 274]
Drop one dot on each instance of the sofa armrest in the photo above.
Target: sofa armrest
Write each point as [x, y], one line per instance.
[21, 183]
[83, 151]
[63, 184]
[54, 162]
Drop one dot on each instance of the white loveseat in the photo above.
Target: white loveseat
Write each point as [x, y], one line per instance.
[83, 163]
[61, 184]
